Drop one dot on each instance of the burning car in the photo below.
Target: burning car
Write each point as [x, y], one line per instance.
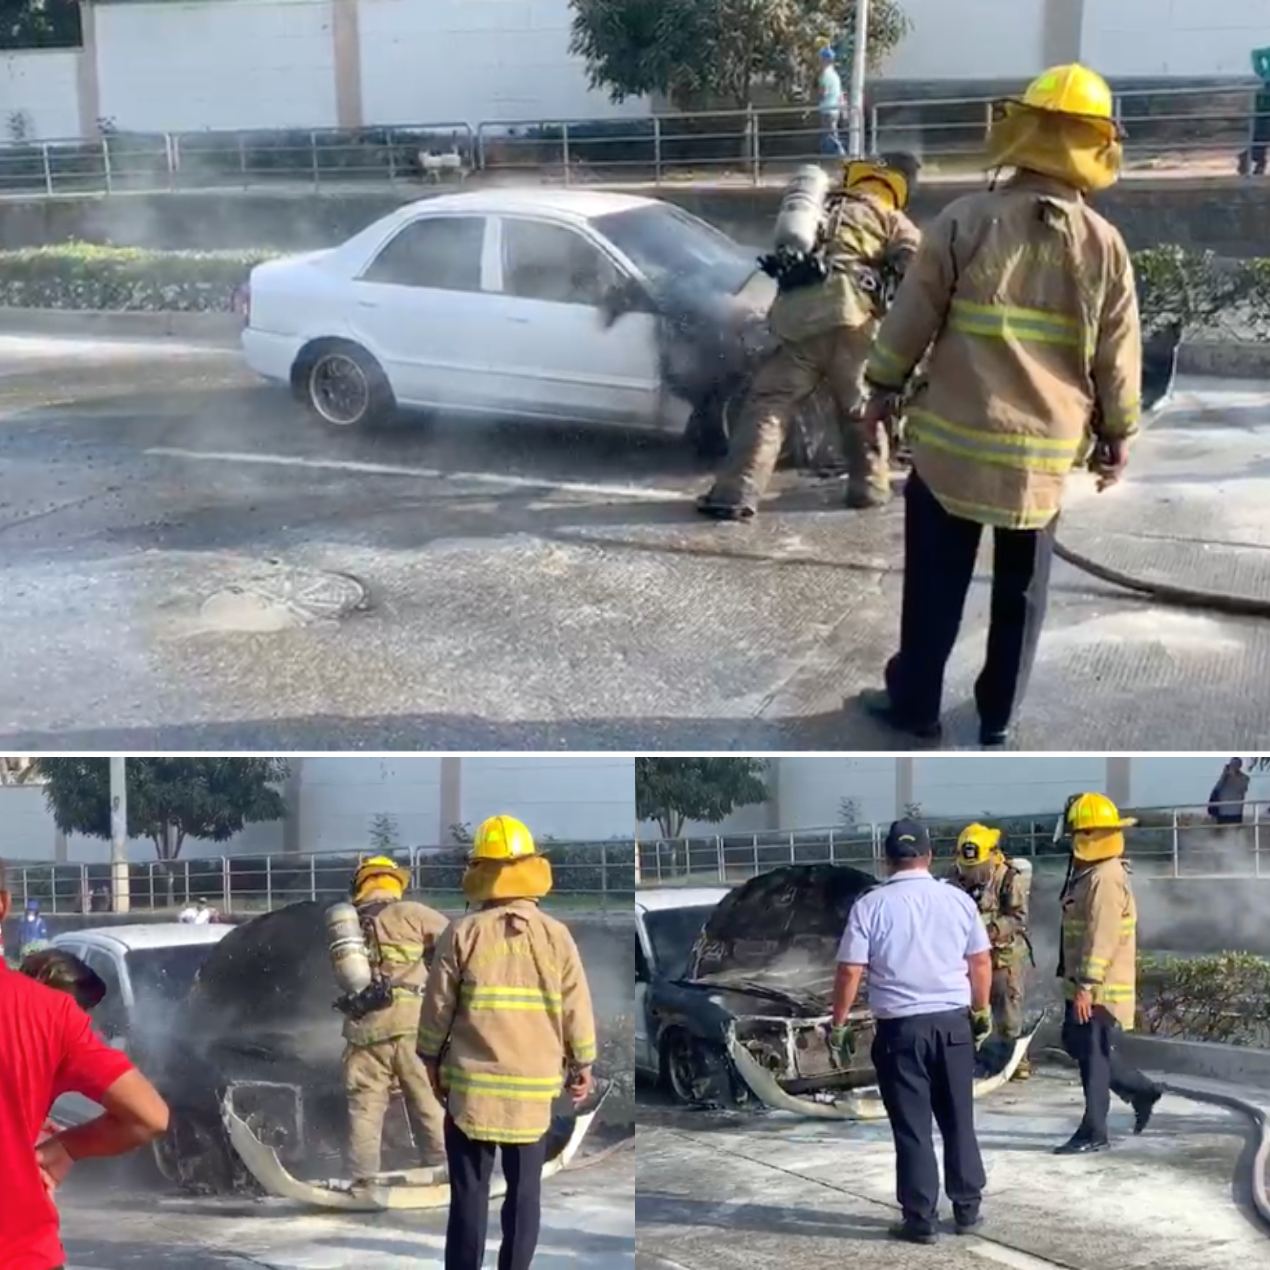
[735, 990]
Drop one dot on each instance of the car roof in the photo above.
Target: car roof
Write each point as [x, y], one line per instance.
[582, 204]
[149, 935]
[679, 897]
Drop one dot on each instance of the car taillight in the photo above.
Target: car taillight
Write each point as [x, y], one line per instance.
[241, 303]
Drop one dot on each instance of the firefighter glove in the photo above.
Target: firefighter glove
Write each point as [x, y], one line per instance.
[981, 1025]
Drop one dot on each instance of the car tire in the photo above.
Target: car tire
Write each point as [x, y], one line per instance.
[713, 422]
[344, 386]
[694, 1072]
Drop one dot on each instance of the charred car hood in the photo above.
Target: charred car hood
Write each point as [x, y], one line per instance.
[771, 946]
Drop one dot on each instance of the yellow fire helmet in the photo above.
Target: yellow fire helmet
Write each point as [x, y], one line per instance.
[976, 845]
[1096, 827]
[859, 172]
[1063, 126]
[380, 872]
[502, 838]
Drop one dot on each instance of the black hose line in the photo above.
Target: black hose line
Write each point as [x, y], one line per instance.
[1166, 592]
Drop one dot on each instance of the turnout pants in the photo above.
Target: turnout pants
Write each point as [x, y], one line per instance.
[369, 1074]
[925, 1066]
[1007, 1000]
[471, 1169]
[783, 383]
[939, 562]
[1102, 1070]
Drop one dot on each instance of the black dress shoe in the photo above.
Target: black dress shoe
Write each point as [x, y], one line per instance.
[1081, 1145]
[877, 703]
[1143, 1106]
[967, 1219]
[911, 1233]
[993, 738]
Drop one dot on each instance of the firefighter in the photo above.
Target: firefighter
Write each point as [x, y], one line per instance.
[1098, 967]
[507, 1023]
[999, 887]
[824, 327]
[1022, 298]
[379, 1055]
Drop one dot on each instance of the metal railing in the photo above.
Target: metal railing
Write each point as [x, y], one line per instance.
[594, 876]
[1177, 842]
[745, 145]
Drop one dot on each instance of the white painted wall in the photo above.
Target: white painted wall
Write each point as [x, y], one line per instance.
[41, 83]
[971, 39]
[448, 60]
[1174, 37]
[217, 64]
[341, 796]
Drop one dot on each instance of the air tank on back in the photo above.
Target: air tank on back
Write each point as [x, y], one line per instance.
[802, 208]
[349, 958]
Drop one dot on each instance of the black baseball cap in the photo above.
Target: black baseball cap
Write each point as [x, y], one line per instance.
[907, 840]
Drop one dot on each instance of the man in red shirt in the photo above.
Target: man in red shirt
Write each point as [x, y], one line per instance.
[48, 1048]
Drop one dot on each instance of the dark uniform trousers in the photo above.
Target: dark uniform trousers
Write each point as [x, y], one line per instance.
[471, 1170]
[1093, 1046]
[926, 1066]
[939, 562]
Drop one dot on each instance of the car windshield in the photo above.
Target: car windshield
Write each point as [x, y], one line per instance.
[672, 933]
[668, 245]
[165, 974]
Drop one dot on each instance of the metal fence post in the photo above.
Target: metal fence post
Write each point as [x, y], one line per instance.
[723, 867]
[313, 152]
[313, 878]
[24, 889]
[656, 149]
[187, 881]
[48, 168]
[105, 159]
[268, 884]
[226, 898]
[874, 128]
[169, 159]
[150, 867]
[792, 858]
[392, 155]
[755, 145]
[242, 156]
[755, 874]
[831, 855]
[53, 888]
[1256, 840]
[1176, 845]
[604, 877]
[83, 888]
[564, 150]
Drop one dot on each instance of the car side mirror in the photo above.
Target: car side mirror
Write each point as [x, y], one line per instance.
[620, 299]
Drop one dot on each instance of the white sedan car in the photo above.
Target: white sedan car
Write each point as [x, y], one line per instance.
[566, 305]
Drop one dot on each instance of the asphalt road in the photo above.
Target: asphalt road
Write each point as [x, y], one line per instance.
[726, 1191]
[180, 546]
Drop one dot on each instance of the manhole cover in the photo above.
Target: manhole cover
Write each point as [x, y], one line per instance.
[283, 600]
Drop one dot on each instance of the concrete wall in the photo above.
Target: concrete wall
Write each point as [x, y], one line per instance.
[973, 39]
[41, 85]
[220, 64]
[1127, 38]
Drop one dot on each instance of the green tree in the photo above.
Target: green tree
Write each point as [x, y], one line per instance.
[169, 799]
[385, 837]
[28, 24]
[674, 790]
[716, 52]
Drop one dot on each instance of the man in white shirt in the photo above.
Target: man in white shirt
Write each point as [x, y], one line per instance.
[830, 103]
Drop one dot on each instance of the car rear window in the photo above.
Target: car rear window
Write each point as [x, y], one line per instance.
[442, 253]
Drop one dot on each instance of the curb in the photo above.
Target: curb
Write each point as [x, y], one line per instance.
[1229, 359]
[223, 329]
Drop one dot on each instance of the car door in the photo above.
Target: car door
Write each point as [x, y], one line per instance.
[112, 1017]
[558, 356]
[420, 308]
[644, 1057]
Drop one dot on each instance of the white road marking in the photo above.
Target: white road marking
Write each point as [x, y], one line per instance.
[638, 492]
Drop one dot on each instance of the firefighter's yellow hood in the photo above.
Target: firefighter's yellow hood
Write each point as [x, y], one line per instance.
[526, 878]
[1080, 152]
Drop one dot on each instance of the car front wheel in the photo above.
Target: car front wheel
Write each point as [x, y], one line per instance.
[345, 387]
[695, 1072]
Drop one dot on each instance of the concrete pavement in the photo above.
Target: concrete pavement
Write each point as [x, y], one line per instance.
[178, 544]
[721, 1191]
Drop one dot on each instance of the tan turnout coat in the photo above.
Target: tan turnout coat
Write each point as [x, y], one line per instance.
[1024, 297]
[506, 1009]
[1100, 942]
[1003, 905]
[407, 934]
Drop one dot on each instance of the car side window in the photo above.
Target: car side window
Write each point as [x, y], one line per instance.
[641, 963]
[549, 262]
[442, 253]
[110, 1017]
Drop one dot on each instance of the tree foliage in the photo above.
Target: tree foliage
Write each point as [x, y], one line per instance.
[1199, 293]
[1221, 997]
[674, 790]
[169, 799]
[26, 24]
[709, 52]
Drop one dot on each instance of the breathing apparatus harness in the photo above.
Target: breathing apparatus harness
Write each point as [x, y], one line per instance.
[378, 994]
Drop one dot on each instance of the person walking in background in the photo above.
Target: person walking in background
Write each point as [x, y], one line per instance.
[1024, 298]
[507, 1023]
[1099, 969]
[1226, 802]
[1252, 162]
[830, 104]
[930, 978]
[33, 931]
[48, 1048]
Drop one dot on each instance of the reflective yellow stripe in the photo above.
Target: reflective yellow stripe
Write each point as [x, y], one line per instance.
[1027, 519]
[401, 954]
[885, 366]
[516, 1088]
[400, 994]
[1125, 417]
[481, 998]
[500, 1133]
[1044, 316]
[583, 1051]
[1002, 322]
[1113, 992]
